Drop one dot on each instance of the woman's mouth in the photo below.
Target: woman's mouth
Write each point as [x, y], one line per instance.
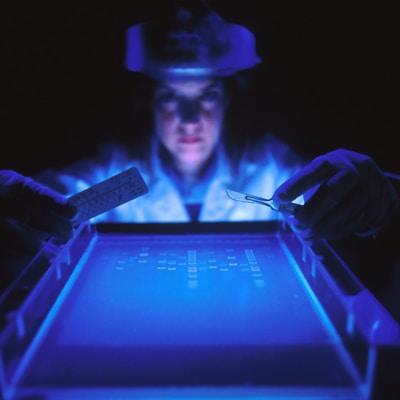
[190, 139]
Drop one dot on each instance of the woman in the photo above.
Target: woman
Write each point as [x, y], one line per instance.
[193, 65]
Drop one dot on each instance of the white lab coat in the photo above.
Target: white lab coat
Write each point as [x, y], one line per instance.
[260, 171]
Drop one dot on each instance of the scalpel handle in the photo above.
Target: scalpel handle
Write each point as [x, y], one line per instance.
[289, 208]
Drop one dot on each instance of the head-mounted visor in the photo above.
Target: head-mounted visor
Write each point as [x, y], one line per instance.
[187, 46]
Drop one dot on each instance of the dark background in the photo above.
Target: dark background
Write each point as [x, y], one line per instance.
[329, 78]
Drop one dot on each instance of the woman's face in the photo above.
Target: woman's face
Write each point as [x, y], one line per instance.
[188, 119]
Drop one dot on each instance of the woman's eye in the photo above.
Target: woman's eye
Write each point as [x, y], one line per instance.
[166, 98]
[211, 96]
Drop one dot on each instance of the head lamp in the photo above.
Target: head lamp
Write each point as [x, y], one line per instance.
[188, 46]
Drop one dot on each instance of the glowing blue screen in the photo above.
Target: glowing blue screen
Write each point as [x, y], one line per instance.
[162, 310]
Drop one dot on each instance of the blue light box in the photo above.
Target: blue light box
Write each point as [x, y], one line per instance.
[226, 310]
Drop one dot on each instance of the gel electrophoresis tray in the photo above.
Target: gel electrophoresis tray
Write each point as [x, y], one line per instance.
[253, 313]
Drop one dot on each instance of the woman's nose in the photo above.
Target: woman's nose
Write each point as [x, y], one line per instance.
[189, 111]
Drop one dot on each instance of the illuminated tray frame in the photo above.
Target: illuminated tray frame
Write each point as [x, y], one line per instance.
[369, 335]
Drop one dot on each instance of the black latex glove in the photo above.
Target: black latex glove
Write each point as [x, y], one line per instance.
[30, 213]
[351, 195]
